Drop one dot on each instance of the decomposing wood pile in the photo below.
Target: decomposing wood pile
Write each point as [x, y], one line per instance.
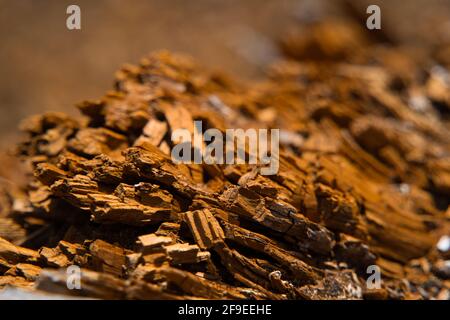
[364, 180]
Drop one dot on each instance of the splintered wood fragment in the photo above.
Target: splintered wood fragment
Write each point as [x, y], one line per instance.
[76, 190]
[14, 254]
[53, 257]
[178, 117]
[48, 173]
[302, 271]
[339, 211]
[168, 229]
[95, 141]
[28, 271]
[244, 269]
[155, 258]
[355, 252]
[107, 257]
[279, 217]
[5, 265]
[150, 163]
[184, 253]
[153, 132]
[11, 230]
[15, 281]
[204, 227]
[71, 249]
[151, 243]
[105, 169]
[110, 208]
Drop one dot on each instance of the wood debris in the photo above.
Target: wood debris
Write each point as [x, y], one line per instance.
[364, 180]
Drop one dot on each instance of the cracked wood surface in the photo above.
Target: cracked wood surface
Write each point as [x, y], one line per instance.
[363, 180]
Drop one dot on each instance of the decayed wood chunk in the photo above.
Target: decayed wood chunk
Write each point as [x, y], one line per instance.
[279, 217]
[204, 227]
[53, 257]
[107, 258]
[302, 271]
[14, 281]
[11, 230]
[152, 241]
[92, 142]
[138, 205]
[14, 254]
[28, 271]
[184, 253]
[150, 163]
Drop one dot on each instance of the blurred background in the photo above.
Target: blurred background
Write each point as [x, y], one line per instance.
[45, 67]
